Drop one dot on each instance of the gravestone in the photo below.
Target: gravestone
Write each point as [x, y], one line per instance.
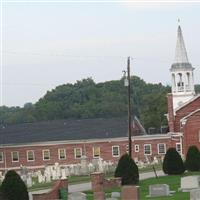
[54, 177]
[159, 190]
[63, 173]
[84, 166]
[190, 182]
[111, 198]
[23, 173]
[195, 194]
[115, 195]
[1, 177]
[40, 177]
[29, 180]
[77, 196]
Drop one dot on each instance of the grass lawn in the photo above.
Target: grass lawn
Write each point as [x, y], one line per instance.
[172, 181]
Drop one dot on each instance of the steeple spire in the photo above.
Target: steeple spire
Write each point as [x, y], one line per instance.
[182, 74]
[181, 53]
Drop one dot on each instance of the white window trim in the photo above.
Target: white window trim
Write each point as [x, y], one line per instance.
[64, 154]
[17, 156]
[137, 145]
[2, 154]
[150, 149]
[43, 154]
[33, 155]
[75, 153]
[113, 151]
[199, 135]
[99, 152]
[159, 148]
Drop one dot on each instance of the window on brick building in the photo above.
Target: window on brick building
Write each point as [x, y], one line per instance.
[137, 148]
[1, 157]
[161, 148]
[147, 149]
[115, 151]
[78, 153]
[96, 152]
[46, 154]
[30, 155]
[178, 147]
[15, 156]
[62, 154]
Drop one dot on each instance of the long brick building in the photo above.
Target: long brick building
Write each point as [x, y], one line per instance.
[66, 141]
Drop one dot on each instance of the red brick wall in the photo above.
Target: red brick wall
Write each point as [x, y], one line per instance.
[184, 111]
[192, 131]
[53, 194]
[105, 148]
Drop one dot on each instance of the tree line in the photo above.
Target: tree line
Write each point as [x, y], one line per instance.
[87, 99]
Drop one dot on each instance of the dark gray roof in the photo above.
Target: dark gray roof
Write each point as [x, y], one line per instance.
[58, 130]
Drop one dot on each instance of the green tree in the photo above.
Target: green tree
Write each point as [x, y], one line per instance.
[87, 99]
[173, 163]
[127, 170]
[13, 188]
[192, 162]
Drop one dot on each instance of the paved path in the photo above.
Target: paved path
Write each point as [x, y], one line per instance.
[87, 186]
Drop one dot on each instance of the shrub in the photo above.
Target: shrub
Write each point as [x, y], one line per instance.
[173, 163]
[127, 170]
[13, 187]
[192, 162]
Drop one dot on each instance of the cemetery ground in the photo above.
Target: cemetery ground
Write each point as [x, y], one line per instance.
[172, 180]
[86, 178]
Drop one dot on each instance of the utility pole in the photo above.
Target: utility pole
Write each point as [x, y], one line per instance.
[127, 83]
[129, 107]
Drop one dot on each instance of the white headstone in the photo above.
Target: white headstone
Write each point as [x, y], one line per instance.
[159, 190]
[29, 180]
[115, 195]
[63, 174]
[77, 196]
[54, 177]
[195, 194]
[190, 182]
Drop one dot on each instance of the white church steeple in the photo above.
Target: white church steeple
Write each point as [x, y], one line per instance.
[182, 74]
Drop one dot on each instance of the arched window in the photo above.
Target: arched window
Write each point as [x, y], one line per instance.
[180, 83]
[187, 81]
[173, 82]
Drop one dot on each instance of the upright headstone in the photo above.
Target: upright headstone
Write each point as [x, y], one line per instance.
[77, 196]
[115, 195]
[130, 192]
[40, 177]
[195, 194]
[158, 190]
[84, 166]
[63, 173]
[23, 173]
[29, 180]
[190, 182]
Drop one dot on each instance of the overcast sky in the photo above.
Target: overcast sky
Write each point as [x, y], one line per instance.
[49, 44]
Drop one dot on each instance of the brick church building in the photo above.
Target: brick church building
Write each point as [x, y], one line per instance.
[36, 145]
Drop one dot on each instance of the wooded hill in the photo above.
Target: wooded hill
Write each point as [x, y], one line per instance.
[87, 99]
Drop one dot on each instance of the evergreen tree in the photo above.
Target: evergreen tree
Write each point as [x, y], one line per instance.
[127, 170]
[173, 163]
[13, 187]
[192, 162]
